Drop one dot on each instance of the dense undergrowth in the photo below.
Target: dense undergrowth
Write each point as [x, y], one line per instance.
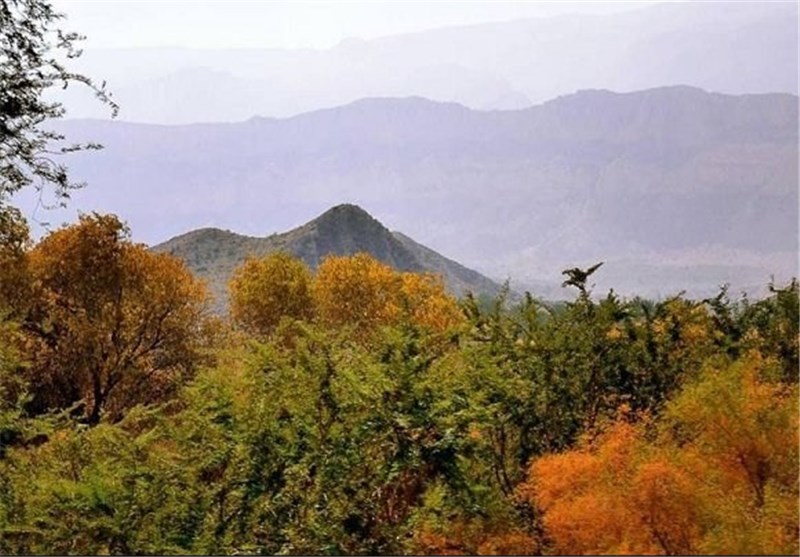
[356, 409]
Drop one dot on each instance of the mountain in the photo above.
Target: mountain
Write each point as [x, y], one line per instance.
[214, 254]
[658, 183]
[729, 47]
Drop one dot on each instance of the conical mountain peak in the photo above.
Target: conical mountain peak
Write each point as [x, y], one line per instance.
[346, 214]
[345, 229]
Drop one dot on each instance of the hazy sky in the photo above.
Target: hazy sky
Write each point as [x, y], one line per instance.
[320, 24]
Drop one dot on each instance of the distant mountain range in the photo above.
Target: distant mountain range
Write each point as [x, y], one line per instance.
[214, 254]
[675, 188]
[729, 47]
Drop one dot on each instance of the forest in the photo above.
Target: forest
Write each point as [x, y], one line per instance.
[357, 409]
[354, 408]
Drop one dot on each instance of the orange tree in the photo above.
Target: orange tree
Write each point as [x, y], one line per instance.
[356, 291]
[715, 473]
[426, 303]
[364, 294]
[110, 324]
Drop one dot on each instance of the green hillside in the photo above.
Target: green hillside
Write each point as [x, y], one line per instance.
[213, 254]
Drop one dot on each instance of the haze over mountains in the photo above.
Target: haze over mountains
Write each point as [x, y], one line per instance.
[676, 188]
[734, 47]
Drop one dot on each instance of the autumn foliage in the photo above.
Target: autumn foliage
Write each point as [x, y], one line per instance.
[108, 324]
[264, 291]
[358, 409]
[355, 292]
[717, 473]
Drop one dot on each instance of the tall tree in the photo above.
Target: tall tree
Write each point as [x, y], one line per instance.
[111, 323]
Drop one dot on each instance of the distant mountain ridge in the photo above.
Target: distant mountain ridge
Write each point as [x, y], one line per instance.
[345, 229]
[731, 47]
[657, 183]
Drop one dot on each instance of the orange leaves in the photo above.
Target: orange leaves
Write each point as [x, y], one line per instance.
[585, 496]
[363, 293]
[665, 498]
[356, 291]
[560, 476]
[474, 537]
[265, 290]
[743, 424]
[426, 303]
[722, 477]
[112, 324]
[510, 543]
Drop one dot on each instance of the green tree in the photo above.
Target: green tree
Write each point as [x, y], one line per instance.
[14, 242]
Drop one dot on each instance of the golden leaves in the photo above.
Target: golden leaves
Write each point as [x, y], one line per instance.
[111, 323]
[265, 290]
[355, 292]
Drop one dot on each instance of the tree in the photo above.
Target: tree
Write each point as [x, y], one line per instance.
[111, 324]
[14, 240]
[265, 290]
[425, 302]
[363, 293]
[33, 56]
[612, 496]
[577, 277]
[721, 478]
[356, 291]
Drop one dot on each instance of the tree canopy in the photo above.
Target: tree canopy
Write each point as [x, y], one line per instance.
[109, 323]
[424, 425]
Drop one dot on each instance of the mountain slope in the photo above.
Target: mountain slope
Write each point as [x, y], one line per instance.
[668, 177]
[346, 229]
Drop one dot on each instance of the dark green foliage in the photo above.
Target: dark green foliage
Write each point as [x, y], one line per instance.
[314, 443]
[34, 53]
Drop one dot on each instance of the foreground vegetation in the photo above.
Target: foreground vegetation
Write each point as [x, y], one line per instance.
[357, 409]
[361, 410]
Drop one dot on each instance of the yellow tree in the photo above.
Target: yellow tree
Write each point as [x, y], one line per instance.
[111, 323]
[425, 302]
[265, 290]
[356, 291]
[738, 431]
[363, 293]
